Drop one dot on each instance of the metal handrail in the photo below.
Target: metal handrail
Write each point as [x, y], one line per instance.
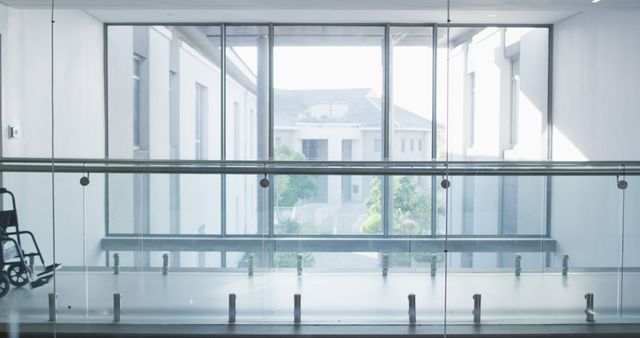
[373, 168]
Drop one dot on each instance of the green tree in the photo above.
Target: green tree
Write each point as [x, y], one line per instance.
[411, 213]
[292, 188]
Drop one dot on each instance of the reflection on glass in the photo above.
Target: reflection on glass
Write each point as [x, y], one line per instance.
[501, 206]
[164, 92]
[497, 93]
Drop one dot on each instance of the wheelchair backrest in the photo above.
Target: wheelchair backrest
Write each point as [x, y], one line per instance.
[8, 218]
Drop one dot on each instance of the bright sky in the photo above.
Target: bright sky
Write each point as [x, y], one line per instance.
[342, 67]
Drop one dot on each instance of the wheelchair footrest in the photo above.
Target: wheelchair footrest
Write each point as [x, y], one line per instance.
[48, 270]
[40, 281]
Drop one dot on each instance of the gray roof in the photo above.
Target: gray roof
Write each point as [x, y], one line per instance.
[364, 110]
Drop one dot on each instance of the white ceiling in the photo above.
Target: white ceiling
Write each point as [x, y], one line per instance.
[462, 11]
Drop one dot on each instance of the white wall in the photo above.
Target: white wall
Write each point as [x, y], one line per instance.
[79, 124]
[596, 117]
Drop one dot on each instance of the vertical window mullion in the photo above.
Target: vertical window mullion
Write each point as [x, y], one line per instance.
[434, 129]
[223, 134]
[386, 131]
[271, 198]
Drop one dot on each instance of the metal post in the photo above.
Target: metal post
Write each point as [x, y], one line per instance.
[116, 263]
[165, 264]
[412, 309]
[117, 299]
[518, 265]
[232, 308]
[299, 265]
[589, 310]
[297, 308]
[251, 263]
[385, 264]
[477, 308]
[434, 264]
[52, 307]
[565, 264]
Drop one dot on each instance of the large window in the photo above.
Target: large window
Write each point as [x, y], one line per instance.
[320, 94]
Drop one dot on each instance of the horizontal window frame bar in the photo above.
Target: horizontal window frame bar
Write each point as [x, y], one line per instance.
[331, 24]
[388, 163]
[193, 244]
[326, 236]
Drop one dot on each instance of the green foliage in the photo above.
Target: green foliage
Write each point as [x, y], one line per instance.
[290, 260]
[292, 188]
[374, 200]
[373, 224]
[288, 226]
[411, 208]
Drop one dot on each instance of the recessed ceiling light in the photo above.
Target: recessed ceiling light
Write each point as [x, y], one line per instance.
[595, 1]
[493, 15]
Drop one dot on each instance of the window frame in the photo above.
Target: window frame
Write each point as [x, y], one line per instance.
[386, 126]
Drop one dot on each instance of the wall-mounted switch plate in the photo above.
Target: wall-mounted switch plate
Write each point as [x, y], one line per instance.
[14, 132]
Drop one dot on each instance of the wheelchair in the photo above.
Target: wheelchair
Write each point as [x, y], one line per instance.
[16, 265]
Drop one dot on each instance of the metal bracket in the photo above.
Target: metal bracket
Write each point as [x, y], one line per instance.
[232, 308]
[297, 308]
[589, 309]
[412, 309]
[477, 308]
[117, 300]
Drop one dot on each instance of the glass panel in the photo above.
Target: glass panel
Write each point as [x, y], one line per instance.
[586, 213]
[164, 92]
[411, 205]
[164, 204]
[33, 212]
[630, 302]
[411, 84]
[497, 99]
[306, 204]
[328, 92]
[247, 89]
[501, 206]
[246, 211]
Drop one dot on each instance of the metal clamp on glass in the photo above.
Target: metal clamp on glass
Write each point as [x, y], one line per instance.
[412, 309]
[589, 310]
[251, 263]
[385, 264]
[434, 264]
[477, 308]
[52, 307]
[232, 308]
[518, 265]
[297, 308]
[117, 299]
[165, 264]
[116, 263]
[565, 264]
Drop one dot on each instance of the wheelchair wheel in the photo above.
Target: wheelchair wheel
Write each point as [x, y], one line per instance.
[18, 275]
[4, 284]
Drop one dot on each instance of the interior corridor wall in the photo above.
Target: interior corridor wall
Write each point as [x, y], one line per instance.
[79, 124]
[596, 91]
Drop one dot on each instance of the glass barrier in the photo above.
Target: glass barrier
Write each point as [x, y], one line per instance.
[184, 271]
